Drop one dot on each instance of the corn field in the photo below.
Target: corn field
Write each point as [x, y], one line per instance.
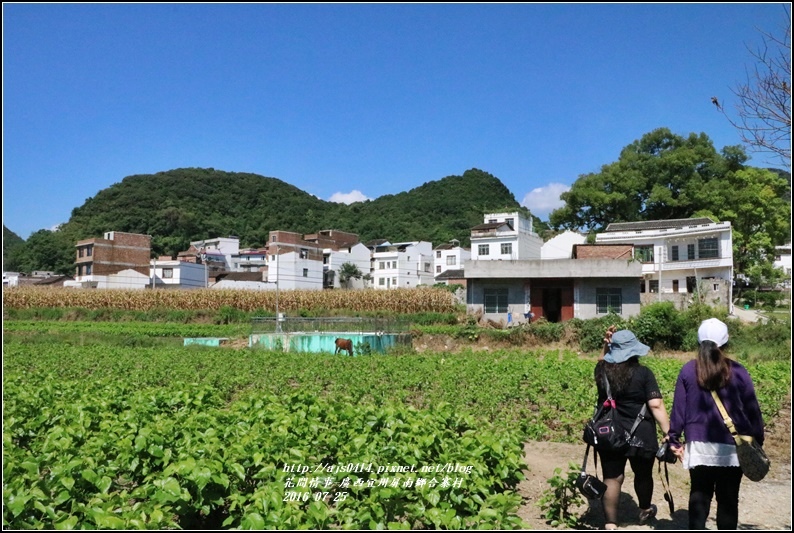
[418, 300]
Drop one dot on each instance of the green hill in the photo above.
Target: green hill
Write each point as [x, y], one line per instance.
[188, 204]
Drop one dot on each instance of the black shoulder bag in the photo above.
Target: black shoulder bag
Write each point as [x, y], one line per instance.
[589, 485]
[604, 432]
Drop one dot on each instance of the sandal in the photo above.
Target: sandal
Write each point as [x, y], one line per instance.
[647, 514]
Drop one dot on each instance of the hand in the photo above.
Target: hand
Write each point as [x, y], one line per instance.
[679, 452]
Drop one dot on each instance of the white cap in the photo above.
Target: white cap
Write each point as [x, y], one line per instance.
[713, 330]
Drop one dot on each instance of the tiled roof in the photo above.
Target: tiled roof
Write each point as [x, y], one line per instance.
[451, 274]
[658, 224]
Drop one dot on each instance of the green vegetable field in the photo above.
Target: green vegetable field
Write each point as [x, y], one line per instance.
[154, 435]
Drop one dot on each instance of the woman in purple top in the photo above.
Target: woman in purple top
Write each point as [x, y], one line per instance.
[710, 451]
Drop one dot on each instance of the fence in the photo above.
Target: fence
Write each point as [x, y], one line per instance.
[328, 324]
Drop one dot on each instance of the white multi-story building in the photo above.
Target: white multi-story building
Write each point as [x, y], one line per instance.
[682, 259]
[218, 249]
[450, 256]
[402, 264]
[294, 263]
[505, 236]
[173, 274]
[249, 261]
[783, 258]
[338, 248]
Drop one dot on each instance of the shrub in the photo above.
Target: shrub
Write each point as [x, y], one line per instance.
[547, 331]
[591, 332]
[659, 324]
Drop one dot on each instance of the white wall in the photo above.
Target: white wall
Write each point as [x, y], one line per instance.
[561, 246]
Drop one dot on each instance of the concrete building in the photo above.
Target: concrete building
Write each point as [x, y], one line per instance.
[403, 264]
[783, 258]
[168, 273]
[294, 263]
[449, 256]
[338, 248]
[118, 260]
[505, 236]
[683, 260]
[554, 289]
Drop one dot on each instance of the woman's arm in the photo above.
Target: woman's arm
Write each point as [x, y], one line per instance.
[660, 413]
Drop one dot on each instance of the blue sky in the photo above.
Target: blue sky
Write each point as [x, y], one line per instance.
[354, 101]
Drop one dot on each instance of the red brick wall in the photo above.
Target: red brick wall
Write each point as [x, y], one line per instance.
[603, 251]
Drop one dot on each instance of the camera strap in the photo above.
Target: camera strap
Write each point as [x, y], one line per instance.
[595, 460]
[668, 496]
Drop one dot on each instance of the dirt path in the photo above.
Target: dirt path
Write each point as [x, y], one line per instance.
[765, 505]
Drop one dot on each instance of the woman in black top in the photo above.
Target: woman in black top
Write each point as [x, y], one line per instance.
[632, 385]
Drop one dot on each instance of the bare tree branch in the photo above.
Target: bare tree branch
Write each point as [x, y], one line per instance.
[764, 100]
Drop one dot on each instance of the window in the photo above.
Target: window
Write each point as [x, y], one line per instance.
[452, 260]
[507, 248]
[653, 286]
[482, 249]
[674, 253]
[708, 248]
[381, 265]
[80, 252]
[381, 281]
[644, 253]
[88, 270]
[273, 238]
[168, 273]
[305, 272]
[438, 269]
[427, 267]
[642, 286]
[89, 251]
[304, 253]
[675, 285]
[609, 300]
[690, 251]
[394, 282]
[495, 300]
[438, 254]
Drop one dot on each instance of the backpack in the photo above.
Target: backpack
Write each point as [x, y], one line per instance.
[604, 432]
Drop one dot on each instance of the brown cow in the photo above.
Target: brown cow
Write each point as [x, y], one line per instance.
[344, 344]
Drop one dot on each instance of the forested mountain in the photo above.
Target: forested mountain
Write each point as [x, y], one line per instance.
[183, 205]
[11, 241]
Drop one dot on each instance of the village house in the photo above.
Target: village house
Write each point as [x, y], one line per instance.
[683, 260]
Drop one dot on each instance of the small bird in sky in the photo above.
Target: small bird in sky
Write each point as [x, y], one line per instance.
[716, 102]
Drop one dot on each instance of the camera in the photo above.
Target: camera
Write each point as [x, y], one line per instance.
[590, 486]
[665, 453]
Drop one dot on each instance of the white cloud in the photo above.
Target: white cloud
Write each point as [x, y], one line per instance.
[56, 227]
[544, 200]
[348, 197]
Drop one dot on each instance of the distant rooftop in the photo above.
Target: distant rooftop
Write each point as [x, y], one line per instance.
[658, 224]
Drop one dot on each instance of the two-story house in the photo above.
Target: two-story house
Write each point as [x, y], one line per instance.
[450, 257]
[683, 260]
[402, 264]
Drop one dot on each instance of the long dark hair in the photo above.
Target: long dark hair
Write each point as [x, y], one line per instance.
[618, 374]
[712, 367]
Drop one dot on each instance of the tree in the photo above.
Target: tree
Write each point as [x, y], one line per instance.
[347, 273]
[764, 99]
[660, 176]
[665, 176]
